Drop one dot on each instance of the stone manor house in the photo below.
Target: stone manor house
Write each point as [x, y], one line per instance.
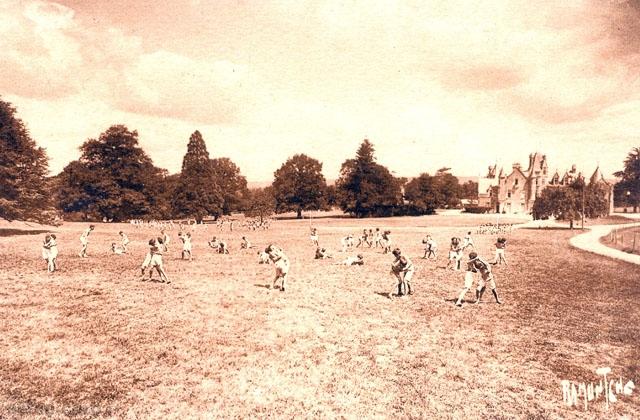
[516, 191]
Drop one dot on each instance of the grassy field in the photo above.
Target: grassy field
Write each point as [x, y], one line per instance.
[627, 240]
[92, 340]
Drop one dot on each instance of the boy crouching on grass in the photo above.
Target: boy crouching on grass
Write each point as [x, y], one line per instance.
[245, 244]
[322, 254]
[468, 279]
[263, 258]
[474, 265]
[403, 269]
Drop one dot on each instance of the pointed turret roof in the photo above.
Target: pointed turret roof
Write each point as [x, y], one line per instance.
[597, 177]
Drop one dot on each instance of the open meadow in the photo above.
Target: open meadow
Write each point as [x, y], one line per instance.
[93, 341]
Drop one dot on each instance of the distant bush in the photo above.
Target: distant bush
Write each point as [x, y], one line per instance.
[477, 209]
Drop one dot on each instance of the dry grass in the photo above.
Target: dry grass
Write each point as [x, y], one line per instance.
[93, 341]
[627, 240]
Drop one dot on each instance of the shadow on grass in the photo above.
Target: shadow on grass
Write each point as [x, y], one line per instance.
[18, 232]
[306, 217]
[551, 228]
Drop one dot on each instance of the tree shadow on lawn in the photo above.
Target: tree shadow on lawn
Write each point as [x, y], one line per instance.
[18, 232]
[306, 217]
[551, 228]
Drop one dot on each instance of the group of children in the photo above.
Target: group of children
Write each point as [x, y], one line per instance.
[402, 267]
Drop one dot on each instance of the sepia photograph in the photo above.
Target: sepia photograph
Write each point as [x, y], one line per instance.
[283, 209]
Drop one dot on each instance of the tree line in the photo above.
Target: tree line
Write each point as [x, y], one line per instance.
[114, 179]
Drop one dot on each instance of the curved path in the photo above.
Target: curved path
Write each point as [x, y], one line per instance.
[590, 241]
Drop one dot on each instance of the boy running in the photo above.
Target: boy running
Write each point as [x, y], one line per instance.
[468, 242]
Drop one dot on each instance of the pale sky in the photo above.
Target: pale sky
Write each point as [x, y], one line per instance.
[430, 83]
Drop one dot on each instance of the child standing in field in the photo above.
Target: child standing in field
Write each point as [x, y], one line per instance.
[84, 240]
[46, 249]
[314, 236]
[455, 254]
[403, 269]
[124, 241]
[165, 240]
[385, 241]
[430, 248]
[378, 238]
[278, 257]
[50, 252]
[500, 244]
[186, 246]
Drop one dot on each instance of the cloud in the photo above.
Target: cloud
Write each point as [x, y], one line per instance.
[49, 54]
[167, 84]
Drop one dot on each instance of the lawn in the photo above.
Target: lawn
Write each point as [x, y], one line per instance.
[92, 340]
[627, 240]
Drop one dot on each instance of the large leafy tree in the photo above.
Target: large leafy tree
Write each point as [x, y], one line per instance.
[299, 185]
[627, 190]
[422, 195]
[197, 194]
[448, 187]
[568, 202]
[367, 188]
[469, 190]
[114, 178]
[232, 184]
[260, 203]
[23, 168]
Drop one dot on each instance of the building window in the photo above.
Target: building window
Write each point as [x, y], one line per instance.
[516, 182]
[508, 195]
